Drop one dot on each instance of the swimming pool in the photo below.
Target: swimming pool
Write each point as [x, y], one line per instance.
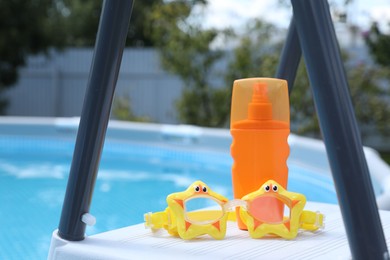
[138, 170]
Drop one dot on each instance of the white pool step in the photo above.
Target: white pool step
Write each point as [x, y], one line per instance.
[136, 242]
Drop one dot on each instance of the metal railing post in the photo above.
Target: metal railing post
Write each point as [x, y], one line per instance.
[290, 57]
[339, 128]
[111, 38]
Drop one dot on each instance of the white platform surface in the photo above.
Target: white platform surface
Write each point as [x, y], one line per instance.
[136, 242]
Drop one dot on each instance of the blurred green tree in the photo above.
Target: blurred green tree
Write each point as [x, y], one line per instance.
[31, 27]
[378, 43]
[80, 20]
[257, 55]
[122, 110]
[26, 27]
[368, 83]
[186, 50]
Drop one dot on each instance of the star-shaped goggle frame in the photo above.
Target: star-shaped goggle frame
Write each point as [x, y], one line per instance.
[271, 210]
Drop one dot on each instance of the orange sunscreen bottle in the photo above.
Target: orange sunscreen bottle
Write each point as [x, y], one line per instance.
[260, 125]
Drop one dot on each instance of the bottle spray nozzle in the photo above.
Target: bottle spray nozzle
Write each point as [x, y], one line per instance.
[260, 108]
[260, 93]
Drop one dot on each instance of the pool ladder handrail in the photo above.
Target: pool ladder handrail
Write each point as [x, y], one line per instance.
[311, 31]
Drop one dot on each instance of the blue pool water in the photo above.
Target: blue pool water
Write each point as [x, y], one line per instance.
[133, 179]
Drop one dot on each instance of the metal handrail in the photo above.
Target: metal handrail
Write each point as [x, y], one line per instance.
[290, 57]
[111, 38]
[312, 30]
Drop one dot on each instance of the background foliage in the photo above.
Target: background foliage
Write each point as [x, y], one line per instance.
[187, 50]
[25, 28]
[195, 54]
[31, 27]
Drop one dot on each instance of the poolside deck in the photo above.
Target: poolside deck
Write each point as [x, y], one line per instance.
[136, 242]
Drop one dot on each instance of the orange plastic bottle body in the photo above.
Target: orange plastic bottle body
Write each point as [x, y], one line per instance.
[259, 156]
[259, 148]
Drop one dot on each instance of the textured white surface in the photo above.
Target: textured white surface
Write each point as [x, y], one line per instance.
[136, 242]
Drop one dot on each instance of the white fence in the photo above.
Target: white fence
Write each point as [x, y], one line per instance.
[54, 86]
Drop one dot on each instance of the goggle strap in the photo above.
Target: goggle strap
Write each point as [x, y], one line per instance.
[311, 221]
[156, 220]
[233, 204]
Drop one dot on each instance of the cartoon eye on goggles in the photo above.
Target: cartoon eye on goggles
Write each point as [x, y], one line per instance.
[271, 210]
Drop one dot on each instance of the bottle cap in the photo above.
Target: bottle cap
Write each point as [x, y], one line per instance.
[260, 99]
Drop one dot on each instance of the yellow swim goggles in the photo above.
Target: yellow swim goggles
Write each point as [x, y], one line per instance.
[271, 210]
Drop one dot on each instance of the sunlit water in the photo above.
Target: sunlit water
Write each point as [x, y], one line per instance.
[133, 179]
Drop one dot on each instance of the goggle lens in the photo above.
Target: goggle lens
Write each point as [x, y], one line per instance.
[269, 209]
[196, 213]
